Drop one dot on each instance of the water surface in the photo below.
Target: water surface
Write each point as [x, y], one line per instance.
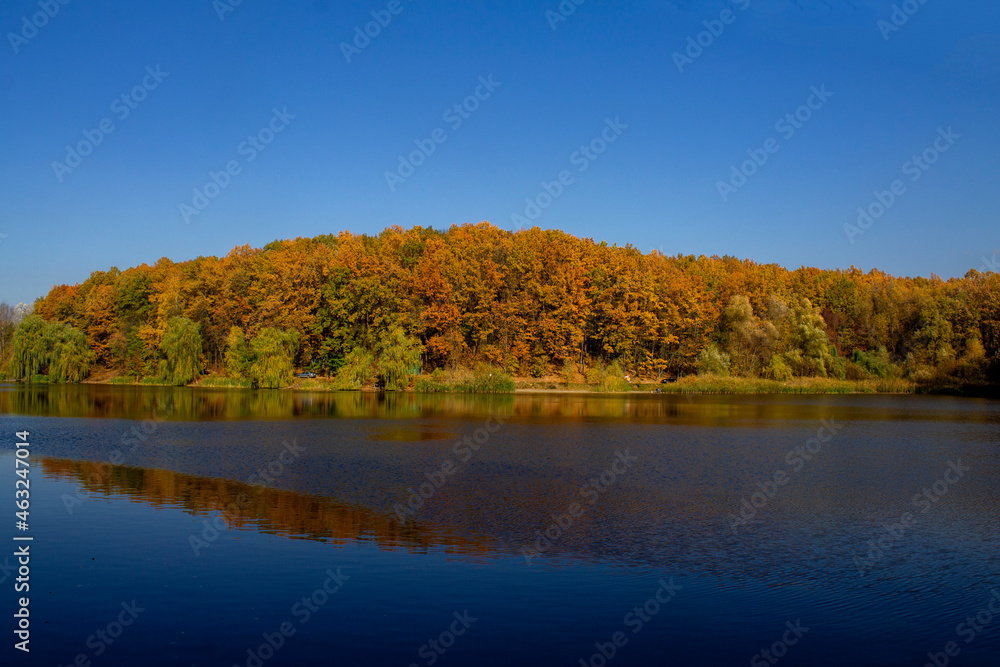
[217, 512]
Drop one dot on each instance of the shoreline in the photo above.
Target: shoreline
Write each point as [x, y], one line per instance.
[690, 385]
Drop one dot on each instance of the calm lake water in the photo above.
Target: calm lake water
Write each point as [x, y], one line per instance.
[193, 527]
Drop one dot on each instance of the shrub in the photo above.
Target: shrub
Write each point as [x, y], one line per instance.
[875, 364]
[610, 378]
[713, 361]
[487, 379]
[358, 370]
[778, 369]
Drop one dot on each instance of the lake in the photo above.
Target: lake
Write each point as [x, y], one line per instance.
[227, 527]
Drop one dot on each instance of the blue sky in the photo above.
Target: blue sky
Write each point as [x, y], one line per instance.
[554, 87]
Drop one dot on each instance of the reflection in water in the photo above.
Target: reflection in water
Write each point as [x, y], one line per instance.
[257, 507]
[197, 404]
[693, 465]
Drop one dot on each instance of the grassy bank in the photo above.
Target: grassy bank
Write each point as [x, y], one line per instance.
[484, 381]
[710, 384]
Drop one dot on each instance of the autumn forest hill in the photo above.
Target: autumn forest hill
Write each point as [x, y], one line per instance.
[535, 302]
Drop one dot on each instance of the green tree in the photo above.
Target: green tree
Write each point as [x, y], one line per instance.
[272, 354]
[30, 353]
[238, 358]
[182, 347]
[398, 358]
[69, 356]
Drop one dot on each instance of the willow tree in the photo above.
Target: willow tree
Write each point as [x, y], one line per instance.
[272, 352]
[181, 345]
[70, 358]
[398, 358]
[237, 354]
[30, 353]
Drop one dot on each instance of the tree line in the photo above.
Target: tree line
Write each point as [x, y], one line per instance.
[530, 303]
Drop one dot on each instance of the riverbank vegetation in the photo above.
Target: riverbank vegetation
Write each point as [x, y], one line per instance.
[475, 307]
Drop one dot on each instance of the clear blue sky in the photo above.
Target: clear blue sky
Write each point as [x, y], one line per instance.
[655, 186]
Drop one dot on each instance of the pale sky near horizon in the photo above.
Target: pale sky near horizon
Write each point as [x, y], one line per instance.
[117, 114]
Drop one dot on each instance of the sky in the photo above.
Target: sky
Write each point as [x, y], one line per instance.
[827, 133]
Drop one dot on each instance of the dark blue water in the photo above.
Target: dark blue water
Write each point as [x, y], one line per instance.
[217, 531]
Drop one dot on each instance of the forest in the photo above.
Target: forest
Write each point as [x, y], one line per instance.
[385, 310]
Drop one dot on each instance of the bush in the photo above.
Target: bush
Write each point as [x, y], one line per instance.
[39, 379]
[358, 370]
[778, 369]
[609, 378]
[713, 361]
[875, 364]
[488, 380]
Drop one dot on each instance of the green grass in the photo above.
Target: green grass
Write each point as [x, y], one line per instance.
[712, 384]
[484, 380]
[315, 384]
[155, 382]
[224, 382]
[126, 379]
